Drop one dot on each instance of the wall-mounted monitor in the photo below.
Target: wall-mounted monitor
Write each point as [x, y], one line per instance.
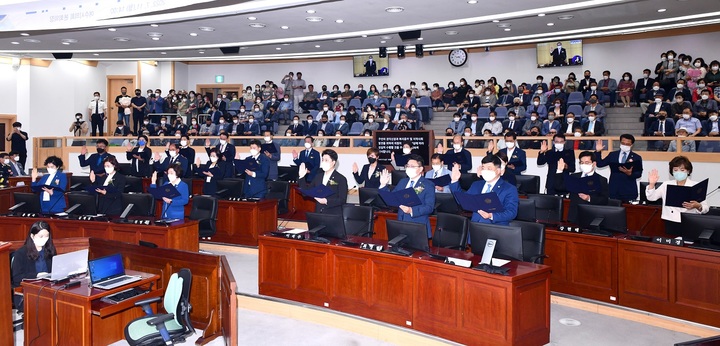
[370, 65]
[560, 53]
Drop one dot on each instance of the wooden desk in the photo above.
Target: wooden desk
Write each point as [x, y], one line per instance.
[242, 222]
[7, 198]
[182, 235]
[298, 205]
[643, 219]
[77, 316]
[6, 326]
[380, 228]
[459, 304]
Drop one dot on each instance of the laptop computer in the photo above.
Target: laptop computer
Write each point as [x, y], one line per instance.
[66, 264]
[108, 272]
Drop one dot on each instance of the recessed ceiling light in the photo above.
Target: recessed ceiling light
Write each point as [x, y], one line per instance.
[201, 51]
[394, 9]
[339, 40]
[121, 39]
[507, 29]
[310, 11]
[286, 44]
[206, 28]
[163, 53]
[155, 38]
[31, 40]
[662, 10]
[154, 25]
[317, 46]
[496, 21]
[96, 54]
[155, 35]
[386, 37]
[112, 29]
[193, 34]
[363, 36]
[66, 43]
[278, 48]
[566, 17]
[383, 41]
[68, 40]
[451, 32]
[339, 21]
[420, 39]
[550, 24]
[503, 25]
[472, 2]
[257, 25]
[252, 18]
[314, 19]
[284, 27]
[24, 34]
[541, 14]
[243, 47]
[15, 42]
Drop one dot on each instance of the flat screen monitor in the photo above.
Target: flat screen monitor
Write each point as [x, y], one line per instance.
[602, 218]
[369, 197]
[643, 195]
[560, 53]
[88, 203]
[230, 188]
[370, 65]
[331, 226]
[508, 245]
[415, 234]
[702, 228]
[143, 204]
[31, 200]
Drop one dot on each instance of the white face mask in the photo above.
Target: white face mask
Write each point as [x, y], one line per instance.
[371, 120]
[183, 143]
[625, 148]
[492, 119]
[539, 91]
[591, 118]
[701, 85]
[436, 167]
[406, 151]
[626, 78]
[253, 152]
[713, 118]
[325, 166]
[680, 86]
[715, 68]
[488, 175]
[213, 158]
[6, 161]
[570, 120]
[109, 170]
[411, 172]
[171, 177]
[559, 146]
[705, 97]
[40, 241]
[251, 120]
[308, 145]
[172, 153]
[51, 170]
[163, 122]
[295, 122]
[511, 118]
[593, 88]
[510, 145]
[577, 134]
[656, 88]
[16, 158]
[533, 118]
[686, 116]
[97, 98]
[536, 103]
[267, 138]
[467, 134]
[342, 122]
[457, 146]
[473, 118]
[585, 168]
[487, 93]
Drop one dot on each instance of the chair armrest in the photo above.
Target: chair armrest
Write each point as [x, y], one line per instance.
[160, 319]
[537, 258]
[147, 301]
[461, 248]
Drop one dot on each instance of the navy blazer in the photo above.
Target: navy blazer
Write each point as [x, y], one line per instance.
[518, 159]
[253, 129]
[597, 198]
[706, 128]
[506, 192]
[669, 127]
[313, 159]
[517, 125]
[548, 126]
[310, 129]
[664, 107]
[139, 167]
[600, 95]
[274, 159]
[465, 167]
[95, 161]
[374, 180]
[420, 213]
[163, 166]
[622, 186]
[228, 156]
[598, 130]
[329, 128]
[297, 130]
[111, 202]
[210, 182]
[56, 204]
[551, 158]
[256, 187]
[338, 184]
[24, 268]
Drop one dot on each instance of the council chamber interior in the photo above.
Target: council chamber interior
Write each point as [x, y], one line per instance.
[328, 172]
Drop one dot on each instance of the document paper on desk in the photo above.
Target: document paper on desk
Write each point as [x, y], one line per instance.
[295, 231]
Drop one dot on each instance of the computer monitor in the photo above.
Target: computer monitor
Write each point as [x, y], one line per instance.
[88, 203]
[404, 234]
[527, 184]
[79, 182]
[288, 173]
[643, 196]
[702, 230]
[602, 218]
[229, 188]
[30, 203]
[143, 204]
[508, 245]
[326, 225]
[369, 197]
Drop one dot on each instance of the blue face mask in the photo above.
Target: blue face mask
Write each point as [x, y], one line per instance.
[680, 176]
[141, 142]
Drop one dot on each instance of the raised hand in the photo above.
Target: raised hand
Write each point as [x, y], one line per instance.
[491, 146]
[561, 164]
[439, 149]
[153, 179]
[355, 167]
[92, 176]
[83, 150]
[156, 156]
[543, 146]
[198, 162]
[653, 177]
[129, 147]
[455, 174]
[295, 154]
[599, 145]
[384, 177]
[167, 146]
[302, 171]
[207, 142]
[237, 156]
[34, 174]
[392, 156]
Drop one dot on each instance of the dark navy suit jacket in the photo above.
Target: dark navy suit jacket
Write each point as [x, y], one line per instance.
[420, 213]
[313, 159]
[506, 192]
[256, 187]
[622, 186]
[551, 158]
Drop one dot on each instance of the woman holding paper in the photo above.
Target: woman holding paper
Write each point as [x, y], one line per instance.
[173, 208]
[109, 188]
[680, 169]
[332, 179]
[35, 256]
[52, 184]
[211, 172]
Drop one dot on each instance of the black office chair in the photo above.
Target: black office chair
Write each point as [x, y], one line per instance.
[288, 174]
[125, 168]
[446, 203]
[279, 190]
[528, 184]
[526, 210]
[143, 204]
[467, 179]
[146, 330]
[134, 184]
[358, 220]
[79, 182]
[533, 238]
[547, 207]
[614, 202]
[451, 231]
[397, 175]
[643, 196]
[205, 210]
[369, 197]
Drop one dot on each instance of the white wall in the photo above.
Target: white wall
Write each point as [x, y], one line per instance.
[8, 89]
[181, 76]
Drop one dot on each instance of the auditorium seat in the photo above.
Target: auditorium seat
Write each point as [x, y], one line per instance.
[575, 109]
[355, 129]
[356, 103]
[575, 98]
[483, 113]
[501, 112]
[279, 190]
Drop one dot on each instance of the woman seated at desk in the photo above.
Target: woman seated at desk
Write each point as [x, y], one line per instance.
[173, 208]
[109, 188]
[680, 169]
[211, 172]
[35, 257]
[52, 199]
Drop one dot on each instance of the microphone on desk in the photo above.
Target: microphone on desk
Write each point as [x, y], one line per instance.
[284, 223]
[16, 206]
[709, 193]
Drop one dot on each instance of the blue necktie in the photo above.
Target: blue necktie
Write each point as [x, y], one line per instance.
[624, 157]
[487, 188]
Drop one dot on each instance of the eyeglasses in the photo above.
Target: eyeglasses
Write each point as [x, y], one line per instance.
[408, 166]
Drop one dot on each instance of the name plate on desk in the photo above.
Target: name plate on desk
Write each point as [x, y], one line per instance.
[569, 229]
[372, 247]
[668, 241]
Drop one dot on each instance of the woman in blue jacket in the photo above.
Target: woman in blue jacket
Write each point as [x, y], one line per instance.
[54, 183]
[173, 208]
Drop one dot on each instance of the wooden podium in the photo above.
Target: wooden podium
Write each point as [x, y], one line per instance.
[6, 326]
[242, 223]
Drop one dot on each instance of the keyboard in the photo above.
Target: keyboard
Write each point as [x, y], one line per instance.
[114, 281]
[124, 295]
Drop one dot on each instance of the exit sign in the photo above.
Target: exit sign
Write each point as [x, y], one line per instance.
[219, 79]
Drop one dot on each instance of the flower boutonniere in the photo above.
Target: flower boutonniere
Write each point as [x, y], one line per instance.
[630, 160]
[419, 189]
[377, 174]
[332, 182]
[57, 181]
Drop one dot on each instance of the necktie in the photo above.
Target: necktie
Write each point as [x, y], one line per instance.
[487, 188]
[624, 157]
[512, 125]
[99, 160]
[97, 107]
[662, 127]
[591, 127]
[412, 184]
[435, 175]
[172, 161]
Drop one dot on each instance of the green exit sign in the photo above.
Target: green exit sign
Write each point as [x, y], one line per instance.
[219, 79]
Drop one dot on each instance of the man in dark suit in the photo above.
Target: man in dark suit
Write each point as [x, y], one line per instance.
[172, 158]
[370, 67]
[517, 159]
[642, 86]
[273, 158]
[710, 127]
[559, 55]
[255, 185]
[513, 123]
[662, 127]
[220, 104]
[331, 178]
[585, 82]
[310, 127]
[296, 128]
[623, 181]
[226, 152]
[95, 161]
[423, 187]
[653, 110]
[491, 172]
[309, 156]
[551, 157]
[252, 128]
[598, 196]
[343, 126]
[570, 125]
[459, 155]
[15, 166]
[325, 125]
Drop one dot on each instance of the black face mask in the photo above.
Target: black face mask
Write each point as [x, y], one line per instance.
[100, 150]
[137, 94]
[371, 160]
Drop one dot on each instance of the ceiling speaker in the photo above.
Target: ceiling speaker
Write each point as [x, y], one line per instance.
[60, 56]
[409, 35]
[382, 52]
[401, 51]
[230, 50]
[418, 50]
